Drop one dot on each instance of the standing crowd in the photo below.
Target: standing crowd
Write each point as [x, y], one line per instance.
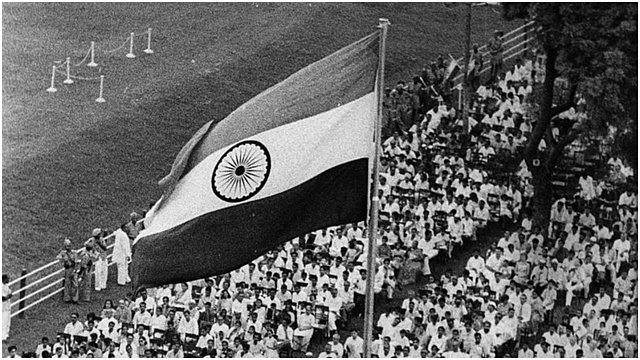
[569, 290]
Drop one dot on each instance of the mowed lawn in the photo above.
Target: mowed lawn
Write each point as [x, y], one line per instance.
[71, 164]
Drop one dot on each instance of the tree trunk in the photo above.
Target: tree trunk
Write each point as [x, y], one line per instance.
[542, 197]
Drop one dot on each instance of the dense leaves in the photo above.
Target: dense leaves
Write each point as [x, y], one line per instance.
[596, 46]
[592, 48]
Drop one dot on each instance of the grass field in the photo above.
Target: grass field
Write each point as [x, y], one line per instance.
[70, 164]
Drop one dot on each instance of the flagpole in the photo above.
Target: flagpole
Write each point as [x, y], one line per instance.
[375, 201]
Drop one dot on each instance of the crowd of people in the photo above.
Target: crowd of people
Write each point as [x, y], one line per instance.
[569, 290]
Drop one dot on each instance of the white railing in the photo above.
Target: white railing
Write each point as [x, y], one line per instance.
[523, 32]
[19, 304]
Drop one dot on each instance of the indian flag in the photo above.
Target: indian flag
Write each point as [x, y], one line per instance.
[292, 160]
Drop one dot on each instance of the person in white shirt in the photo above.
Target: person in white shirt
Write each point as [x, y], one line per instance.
[322, 237]
[336, 346]
[219, 327]
[188, 325]
[628, 198]
[334, 302]
[604, 300]
[525, 351]
[142, 316]
[144, 298]
[304, 331]
[573, 285]
[112, 352]
[543, 351]
[523, 311]
[439, 340]
[481, 214]
[337, 243]
[494, 264]
[128, 342]
[475, 264]
[43, 346]
[354, 345]
[75, 327]
[122, 254]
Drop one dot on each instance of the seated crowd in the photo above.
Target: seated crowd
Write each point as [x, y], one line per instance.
[437, 193]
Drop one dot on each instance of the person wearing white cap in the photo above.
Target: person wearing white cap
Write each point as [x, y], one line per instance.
[122, 254]
[100, 246]
[69, 260]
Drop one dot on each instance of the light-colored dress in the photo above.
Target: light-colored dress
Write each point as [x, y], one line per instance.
[270, 344]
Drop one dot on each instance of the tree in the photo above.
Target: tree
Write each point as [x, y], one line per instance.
[593, 48]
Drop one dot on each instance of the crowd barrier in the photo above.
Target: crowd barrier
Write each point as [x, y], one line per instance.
[516, 42]
[46, 282]
[91, 53]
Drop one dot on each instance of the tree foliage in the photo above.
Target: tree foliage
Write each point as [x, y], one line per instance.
[593, 46]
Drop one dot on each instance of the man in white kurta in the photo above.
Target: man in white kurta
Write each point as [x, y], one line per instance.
[188, 325]
[334, 302]
[303, 333]
[122, 255]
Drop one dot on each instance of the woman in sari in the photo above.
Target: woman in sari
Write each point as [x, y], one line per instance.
[107, 309]
[236, 331]
[412, 265]
[225, 301]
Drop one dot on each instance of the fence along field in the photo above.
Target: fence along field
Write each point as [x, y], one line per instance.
[251, 59]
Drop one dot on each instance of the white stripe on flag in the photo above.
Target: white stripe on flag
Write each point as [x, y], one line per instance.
[299, 151]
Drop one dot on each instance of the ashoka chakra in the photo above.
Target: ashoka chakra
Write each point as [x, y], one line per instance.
[241, 172]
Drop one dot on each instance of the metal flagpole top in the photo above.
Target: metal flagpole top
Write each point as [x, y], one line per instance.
[382, 22]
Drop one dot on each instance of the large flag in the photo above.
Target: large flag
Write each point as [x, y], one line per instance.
[293, 159]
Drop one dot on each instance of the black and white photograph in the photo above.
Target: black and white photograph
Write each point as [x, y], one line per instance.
[319, 179]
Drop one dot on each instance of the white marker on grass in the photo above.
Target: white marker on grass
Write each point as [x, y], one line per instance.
[100, 99]
[148, 49]
[52, 88]
[68, 80]
[130, 55]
